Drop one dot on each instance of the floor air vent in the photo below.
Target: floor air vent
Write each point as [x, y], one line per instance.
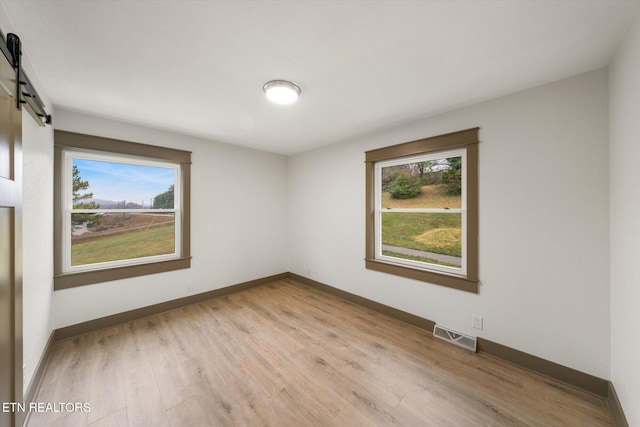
[464, 341]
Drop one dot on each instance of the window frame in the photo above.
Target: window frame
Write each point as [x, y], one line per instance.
[465, 140]
[380, 210]
[68, 145]
[69, 211]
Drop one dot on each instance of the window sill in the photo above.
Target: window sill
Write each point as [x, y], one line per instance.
[460, 283]
[71, 280]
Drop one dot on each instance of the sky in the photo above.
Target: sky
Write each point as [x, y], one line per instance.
[123, 181]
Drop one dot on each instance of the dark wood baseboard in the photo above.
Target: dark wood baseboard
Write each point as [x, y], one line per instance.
[38, 374]
[138, 313]
[412, 319]
[569, 376]
[615, 408]
[566, 375]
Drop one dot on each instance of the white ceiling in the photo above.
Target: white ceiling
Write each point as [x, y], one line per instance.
[197, 67]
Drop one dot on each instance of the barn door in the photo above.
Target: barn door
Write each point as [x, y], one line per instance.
[10, 245]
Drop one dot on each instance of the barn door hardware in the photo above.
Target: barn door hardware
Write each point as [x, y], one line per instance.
[27, 95]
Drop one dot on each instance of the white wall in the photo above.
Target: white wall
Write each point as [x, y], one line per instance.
[37, 286]
[238, 223]
[37, 223]
[544, 222]
[624, 81]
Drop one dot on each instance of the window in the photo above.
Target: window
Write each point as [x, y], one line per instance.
[422, 210]
[121, 209]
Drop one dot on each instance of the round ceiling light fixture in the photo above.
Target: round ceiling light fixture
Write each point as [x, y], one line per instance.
[281, 91]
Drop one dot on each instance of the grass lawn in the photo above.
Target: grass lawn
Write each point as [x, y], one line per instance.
[431, 232]
[157, 240]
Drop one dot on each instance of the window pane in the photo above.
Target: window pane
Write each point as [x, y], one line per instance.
[99, 184]
[120, 236]
[435, 238]
[434, 184]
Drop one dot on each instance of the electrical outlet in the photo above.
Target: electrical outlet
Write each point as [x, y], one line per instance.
[476, 321]
[189, 286]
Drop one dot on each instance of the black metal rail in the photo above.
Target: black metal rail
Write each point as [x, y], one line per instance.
[27, 95]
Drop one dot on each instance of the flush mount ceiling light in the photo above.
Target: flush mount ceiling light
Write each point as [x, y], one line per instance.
[281, 91]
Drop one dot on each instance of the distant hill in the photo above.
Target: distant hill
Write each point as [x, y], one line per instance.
[112, 204]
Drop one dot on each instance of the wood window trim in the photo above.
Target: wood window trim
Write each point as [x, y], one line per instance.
[76, 141]
[462, 139]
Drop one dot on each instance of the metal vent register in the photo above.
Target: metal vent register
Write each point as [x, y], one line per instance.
[461, 340]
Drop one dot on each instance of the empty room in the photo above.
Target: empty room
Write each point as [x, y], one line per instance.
[328, 213]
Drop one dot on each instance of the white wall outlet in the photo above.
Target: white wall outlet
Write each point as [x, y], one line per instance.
[189, 286]
[476, 321]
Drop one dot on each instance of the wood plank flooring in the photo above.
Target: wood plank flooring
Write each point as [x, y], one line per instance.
[285, 354]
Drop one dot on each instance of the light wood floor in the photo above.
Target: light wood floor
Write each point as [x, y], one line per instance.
[285, 354]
